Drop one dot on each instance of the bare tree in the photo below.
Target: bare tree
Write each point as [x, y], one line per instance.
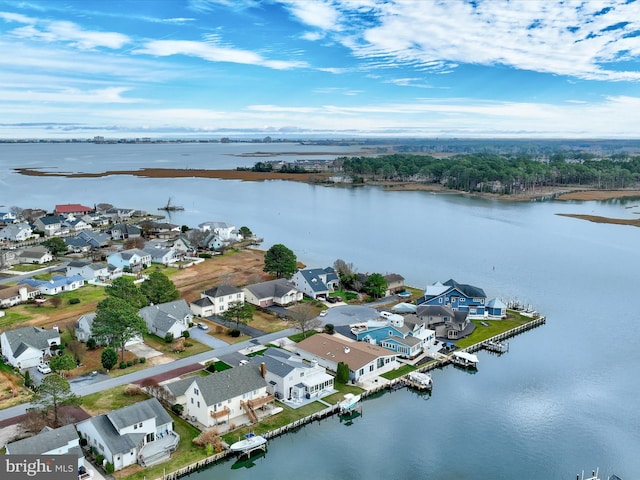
[133, 242]
[305, 316]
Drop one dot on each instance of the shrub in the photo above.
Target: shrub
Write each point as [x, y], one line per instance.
[83, 442]
[92, 344]
[123, 365]
[129, 363]
[109, 468]
[177, 408]
[234, 332]
[99, 459]
[168, 337]
[136, 361]
[208, 449]
[131, 390]
[186, 334]
[74, 301]
[211, 367]
[143, 360]
[204, 255]
[329, 328]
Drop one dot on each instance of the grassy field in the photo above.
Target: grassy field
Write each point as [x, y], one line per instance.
[107, 400]
[496, 327]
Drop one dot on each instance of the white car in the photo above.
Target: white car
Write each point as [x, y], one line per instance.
[323, 313]
[44, 368]
[203, 326]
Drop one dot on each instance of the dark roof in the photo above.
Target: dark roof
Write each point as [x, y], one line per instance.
[469, 290]
[221, 291]
[203, 302]
[31, 337]
[230, 383]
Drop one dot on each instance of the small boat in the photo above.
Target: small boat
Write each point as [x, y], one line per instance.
[251, 442]
[595, 475]
[349, 403]
[171, 208]
[422, 381]
[464, 359]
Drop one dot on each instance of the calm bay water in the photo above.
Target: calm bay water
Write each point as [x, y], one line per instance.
[562, 400]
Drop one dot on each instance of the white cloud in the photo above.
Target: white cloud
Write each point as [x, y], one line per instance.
[69, 96]
[318, 13]
[69, 32]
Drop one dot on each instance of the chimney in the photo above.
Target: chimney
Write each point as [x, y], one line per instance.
[263, 370]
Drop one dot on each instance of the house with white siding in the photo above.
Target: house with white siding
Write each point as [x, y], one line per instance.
[316, 282]
[170, 317]
[16, 232]
[57, 284]
[273, 292]
[28, 346]
[11, 295]
[217, 300]
[35, 255]
[50, 441]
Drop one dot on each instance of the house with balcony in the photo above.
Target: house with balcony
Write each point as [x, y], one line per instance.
[93, 271]
[447, 323]
[139, 433]
[457, 296]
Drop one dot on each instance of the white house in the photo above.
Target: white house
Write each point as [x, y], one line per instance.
[273, 292]
[364, 359]
[28, 346]
[58, 441]
[290, 378]
[139, 433]
[50, 225]
[84, 330]
[165, 256]
[14, 294]
[223, 396]
[35, 255]
[16, 232]
[90, 271]
[316, 282]
[215, 301]
[56, 285]
[171, 317]
[7, 217]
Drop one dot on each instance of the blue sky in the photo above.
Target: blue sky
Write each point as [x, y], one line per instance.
[210, 68]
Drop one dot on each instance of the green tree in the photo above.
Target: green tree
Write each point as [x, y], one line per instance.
[61, 363]
[109, 358]
[239, 312]
[117, 322]
[245, 232]
[125, 289]
[280, 261]
[342, 373]
[54, 392]
[375, 285]
[55, 245]
[158, 288]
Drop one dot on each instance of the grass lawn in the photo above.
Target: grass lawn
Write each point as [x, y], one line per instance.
[30, 267]
[398, 372]
[495, 327]
[108, 400]
[193, 347]
[298, 337]
[342, 388]
[12, 317]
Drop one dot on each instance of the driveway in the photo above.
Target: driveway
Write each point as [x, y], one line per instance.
[203, 336]
[349, 314]
[143, 350]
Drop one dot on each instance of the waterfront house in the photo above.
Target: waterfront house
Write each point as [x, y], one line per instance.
[364, 359]
[447, 323]
[35, 255]
[160, 229]
[11, 295]
[16, 232]
[460, 297]
[28, 346]
[223, 397]
[225, 232]
[217, 300]
[139, 433]
[170, 317]
[290, 378]
[316, 282]
[119, 214]
[395, 283]
[130, 260]
[57, 284]
[83, 330]
[407, 336]
[273, 292]
[51, 225]
[496, 308]
[72, 209]
[122, 231]
[7, 217]
[50, 441]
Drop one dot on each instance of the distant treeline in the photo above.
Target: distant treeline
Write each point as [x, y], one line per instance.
[498, 173]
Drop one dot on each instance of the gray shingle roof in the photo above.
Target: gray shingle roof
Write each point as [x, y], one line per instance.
[230, 383]
[34, 337]
[164, 315]
[271, 288]
[221, 291]
[139, 412]
[44, 442]
[469, 290]
[179, 387]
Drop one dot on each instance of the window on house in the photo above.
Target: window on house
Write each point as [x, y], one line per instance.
[462, 300]
[198, 403]
[192, 402]
[140, 424]
[195, 390]
[440, 300]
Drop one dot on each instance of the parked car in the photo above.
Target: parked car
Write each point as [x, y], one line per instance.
[203, 326]
[332, 299]
[323, 313]
[44, 368]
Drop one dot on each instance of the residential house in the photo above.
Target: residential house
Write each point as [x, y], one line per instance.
[57, 284]
[161, 229]
[72, 209]
[95, 239]
[447, 323]
[50, 441]
[73, 224]
[35, 255]
[171, 317]
[273, 292]
[139, 433]
[225, 232]
[316, 282]
[465, 298]
[223, 397]
[496, 308]
[122, 231]
[28, 346]
[83, 330]
[119, 214]
[14, 294]
[364, 359]
[130, 260]
[183, 246]
[217, 300]
[407, 336]
[51, 225]
[96, 219]
[90, 271]
[395, 283]
[290, 378]
[7, 217]
[76, 245]
[164, 256]
[16, 232]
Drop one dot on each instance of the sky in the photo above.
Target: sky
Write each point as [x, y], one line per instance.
[321, 68]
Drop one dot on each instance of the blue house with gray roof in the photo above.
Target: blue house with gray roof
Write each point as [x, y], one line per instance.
[139, 433]
[316, 282]
[457, 296]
